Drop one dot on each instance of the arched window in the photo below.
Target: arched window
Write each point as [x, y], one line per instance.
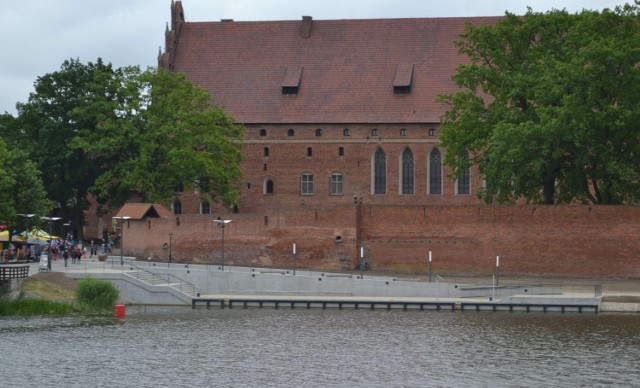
[263, 132]
[290, 132]
[407, 172]
[176, 207]
[463, 183]
[379, 172]
[336, 183]
[346, 132]
[319, 132]
[435, 172]
[309, 151]
[374, 132]
[205, 207]
[265, 151]
[403, 132]
[340, 151]
[306, 184]
[268, 187]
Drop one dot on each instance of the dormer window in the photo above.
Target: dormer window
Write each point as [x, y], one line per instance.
[402, 79]
[291, 81]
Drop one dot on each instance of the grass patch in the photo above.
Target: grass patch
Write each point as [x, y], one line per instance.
[96, 294]
[30, 307]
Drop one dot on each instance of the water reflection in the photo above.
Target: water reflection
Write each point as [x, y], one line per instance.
[210, 347]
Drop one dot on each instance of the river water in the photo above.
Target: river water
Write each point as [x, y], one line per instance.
[180, 347]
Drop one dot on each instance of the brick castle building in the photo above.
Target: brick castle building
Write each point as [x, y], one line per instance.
[341, 151]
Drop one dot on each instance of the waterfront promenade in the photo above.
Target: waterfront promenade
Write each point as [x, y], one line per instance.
[280, 284]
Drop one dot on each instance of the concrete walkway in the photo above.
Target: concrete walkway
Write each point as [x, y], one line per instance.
[617, 294]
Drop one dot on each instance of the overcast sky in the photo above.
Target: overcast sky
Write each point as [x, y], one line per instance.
[38, 35]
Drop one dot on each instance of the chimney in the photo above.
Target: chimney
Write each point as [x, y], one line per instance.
[306, 26]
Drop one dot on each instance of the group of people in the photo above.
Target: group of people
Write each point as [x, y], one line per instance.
[60, 250]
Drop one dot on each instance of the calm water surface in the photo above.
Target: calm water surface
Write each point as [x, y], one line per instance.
[180, 347]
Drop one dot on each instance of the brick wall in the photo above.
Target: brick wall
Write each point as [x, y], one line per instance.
[464, 239]
[530, 240]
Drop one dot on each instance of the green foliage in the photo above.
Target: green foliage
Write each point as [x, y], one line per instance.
[30, 307]
[21, 187]
[96, 294]
[93, 129]
[549, 107]
[168, 135]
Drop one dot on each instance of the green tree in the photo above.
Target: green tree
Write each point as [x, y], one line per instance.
[21, 187]
[549, 107]
[50, 122]
[93, 129]
[166, 133]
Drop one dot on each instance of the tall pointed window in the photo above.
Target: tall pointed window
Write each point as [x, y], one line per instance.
[407, 172]
[463, 183]
[379, 172]
[435, 172]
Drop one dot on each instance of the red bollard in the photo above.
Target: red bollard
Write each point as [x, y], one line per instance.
[120, 311]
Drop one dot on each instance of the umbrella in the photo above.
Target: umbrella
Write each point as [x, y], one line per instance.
[37, 241]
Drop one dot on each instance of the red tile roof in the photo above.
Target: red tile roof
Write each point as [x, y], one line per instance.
[349, 68]
[139, 211]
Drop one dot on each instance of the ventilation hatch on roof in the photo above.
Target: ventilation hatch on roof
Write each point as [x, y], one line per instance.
[402, 79]
[291, 81]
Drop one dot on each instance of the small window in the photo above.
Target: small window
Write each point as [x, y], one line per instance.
[205, 207]
[263, 132]
[290, 132]
[336, 183]
[346, 132]
[432, 131]
[309, 151]
[318, 132]
[265, 151]
[268, 187]
[403, 132]
[341, 151]
[374, 132]
[176, 207]
[306, 182]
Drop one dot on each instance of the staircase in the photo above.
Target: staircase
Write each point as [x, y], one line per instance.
[163, 280]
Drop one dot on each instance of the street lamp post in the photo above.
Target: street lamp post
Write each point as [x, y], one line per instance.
[50, 221]
[170, 235]
[429, 266]
[27, 217]
[361, 262]
[294, 259]
[122, 219]
[222, 224]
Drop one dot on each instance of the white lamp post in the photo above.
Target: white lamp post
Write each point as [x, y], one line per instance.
[122, 219]
[222, 224]
[50, 221]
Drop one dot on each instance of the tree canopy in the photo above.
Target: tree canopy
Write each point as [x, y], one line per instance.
[113, 133]
[549, 107]
[21, 187]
